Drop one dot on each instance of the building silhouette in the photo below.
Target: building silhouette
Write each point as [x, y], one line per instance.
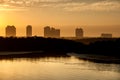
[79, 32]
[47, 32]
[51, 32]
[106, 35]
[29, 31]
[10, 31]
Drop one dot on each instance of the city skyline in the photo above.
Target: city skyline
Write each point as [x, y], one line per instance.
[95, 16]
[11, 31]
[67, 32]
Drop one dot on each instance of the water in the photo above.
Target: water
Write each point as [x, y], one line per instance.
[57, 68]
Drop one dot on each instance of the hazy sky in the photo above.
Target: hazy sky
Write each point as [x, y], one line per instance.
[94, 16]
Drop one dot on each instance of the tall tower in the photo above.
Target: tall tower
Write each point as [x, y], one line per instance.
[47, 31]
[10, 31]
[57, 33]
[29, 31]
[79, 32]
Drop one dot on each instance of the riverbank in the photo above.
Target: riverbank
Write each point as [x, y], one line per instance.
[40, 54]
[32, 47]
[96, 58]
[30, 54]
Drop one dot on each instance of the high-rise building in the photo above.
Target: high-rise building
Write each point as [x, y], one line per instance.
[106, 35]
[29, 31]
[51, 32]
[10, 31]
[57, 32]
[79, 32]
[47, 31]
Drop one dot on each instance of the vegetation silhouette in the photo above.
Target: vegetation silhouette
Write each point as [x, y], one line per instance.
[54, 46]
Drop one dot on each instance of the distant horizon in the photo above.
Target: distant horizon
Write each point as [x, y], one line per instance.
[88, 32]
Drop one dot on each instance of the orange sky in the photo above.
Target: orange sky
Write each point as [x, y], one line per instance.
[94, 16]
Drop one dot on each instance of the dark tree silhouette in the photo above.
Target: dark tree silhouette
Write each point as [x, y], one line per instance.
[53, 46]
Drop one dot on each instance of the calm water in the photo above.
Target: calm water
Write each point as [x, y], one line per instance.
[51, 68]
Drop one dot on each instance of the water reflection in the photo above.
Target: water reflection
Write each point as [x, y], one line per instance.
[56, 68]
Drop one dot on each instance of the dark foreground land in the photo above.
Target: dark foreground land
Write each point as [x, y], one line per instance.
[38, 46]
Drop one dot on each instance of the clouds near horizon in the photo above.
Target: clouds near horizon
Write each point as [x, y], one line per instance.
[66, 5]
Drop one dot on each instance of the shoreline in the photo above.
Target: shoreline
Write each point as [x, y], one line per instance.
[38, 54]
[18, 52]
[96, 58]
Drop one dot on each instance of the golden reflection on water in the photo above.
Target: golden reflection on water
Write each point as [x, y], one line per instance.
[59, 68]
